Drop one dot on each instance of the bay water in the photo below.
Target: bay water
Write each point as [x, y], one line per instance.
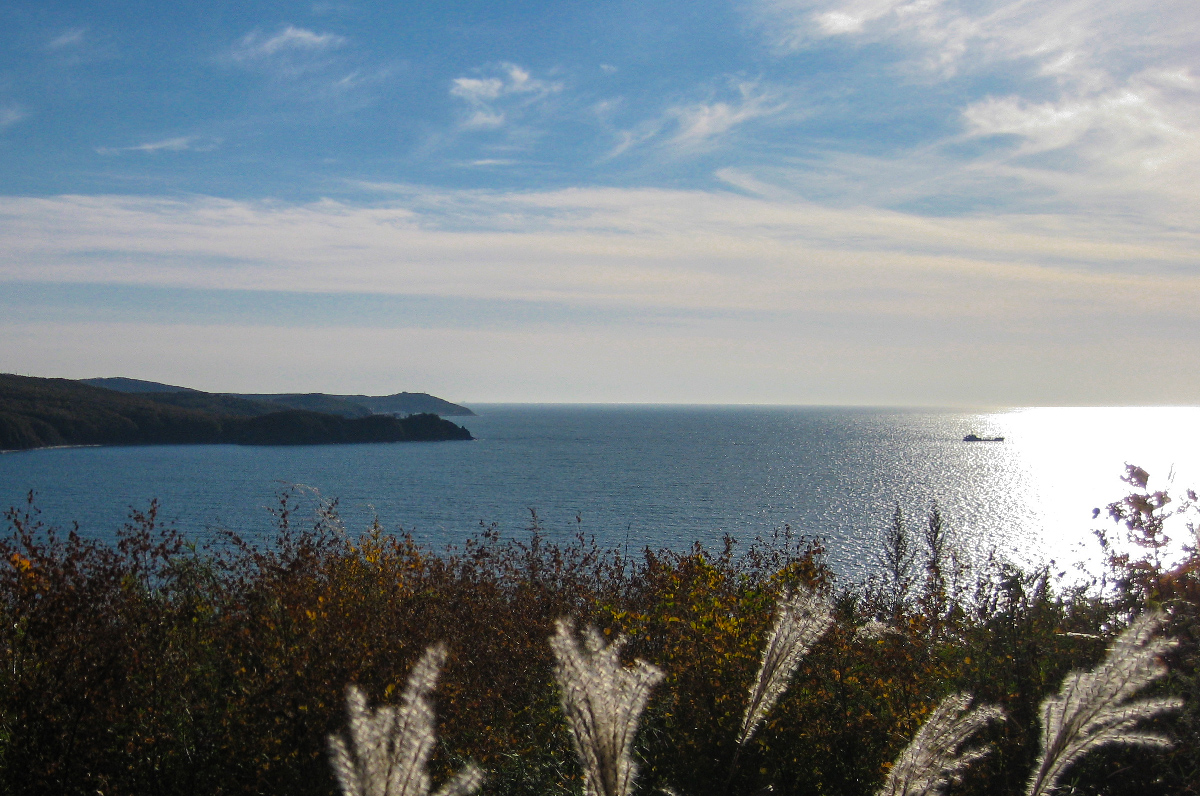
[661, 476]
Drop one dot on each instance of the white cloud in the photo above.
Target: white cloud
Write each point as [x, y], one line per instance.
[70, 38]
[289, 40]
[180, 144]
[477, 91]
[491, 99]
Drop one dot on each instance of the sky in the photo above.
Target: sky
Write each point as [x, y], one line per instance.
[878, 202]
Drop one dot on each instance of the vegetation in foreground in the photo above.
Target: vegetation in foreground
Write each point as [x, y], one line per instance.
[152, 667]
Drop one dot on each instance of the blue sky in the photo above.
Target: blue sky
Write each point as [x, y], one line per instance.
[780, 201]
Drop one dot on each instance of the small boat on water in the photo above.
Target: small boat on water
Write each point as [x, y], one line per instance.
[977, 438]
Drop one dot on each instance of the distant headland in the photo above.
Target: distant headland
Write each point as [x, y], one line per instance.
[40, 413]
[402, 403]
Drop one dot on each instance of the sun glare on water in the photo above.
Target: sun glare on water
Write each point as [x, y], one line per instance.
[1072, 457]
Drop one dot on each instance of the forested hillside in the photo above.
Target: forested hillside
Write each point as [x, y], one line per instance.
[38, 413]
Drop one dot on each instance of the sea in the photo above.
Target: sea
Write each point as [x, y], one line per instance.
[636, 476]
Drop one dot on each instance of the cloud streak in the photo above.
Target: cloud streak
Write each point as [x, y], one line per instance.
[686, 128]
[646, 248]
[178, 144]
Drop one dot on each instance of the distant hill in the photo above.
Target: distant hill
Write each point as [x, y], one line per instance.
[408, 403]
[122, 384]
[37, 413]
[401, 403]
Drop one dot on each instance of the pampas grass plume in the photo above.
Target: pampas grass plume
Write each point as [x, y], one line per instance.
[385, 751]
[935, 758]
[1092, 709]
[603, 701]
[800, 619]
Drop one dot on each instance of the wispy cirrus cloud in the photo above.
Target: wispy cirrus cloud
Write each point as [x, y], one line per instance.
[698, 125]
[178, 144]
[492, 99]
[288, 40]
[292, 53]
[702, 123]
[1076, 40]
[310, 66]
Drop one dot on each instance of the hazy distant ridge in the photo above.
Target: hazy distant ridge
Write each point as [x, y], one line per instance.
[407, 403]
[402, 403]
[123, 384]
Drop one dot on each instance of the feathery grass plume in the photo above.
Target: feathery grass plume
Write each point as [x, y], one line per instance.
[800, 619]
[1092, 708]
[932, 760]
[602, 701]
[385, 750]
